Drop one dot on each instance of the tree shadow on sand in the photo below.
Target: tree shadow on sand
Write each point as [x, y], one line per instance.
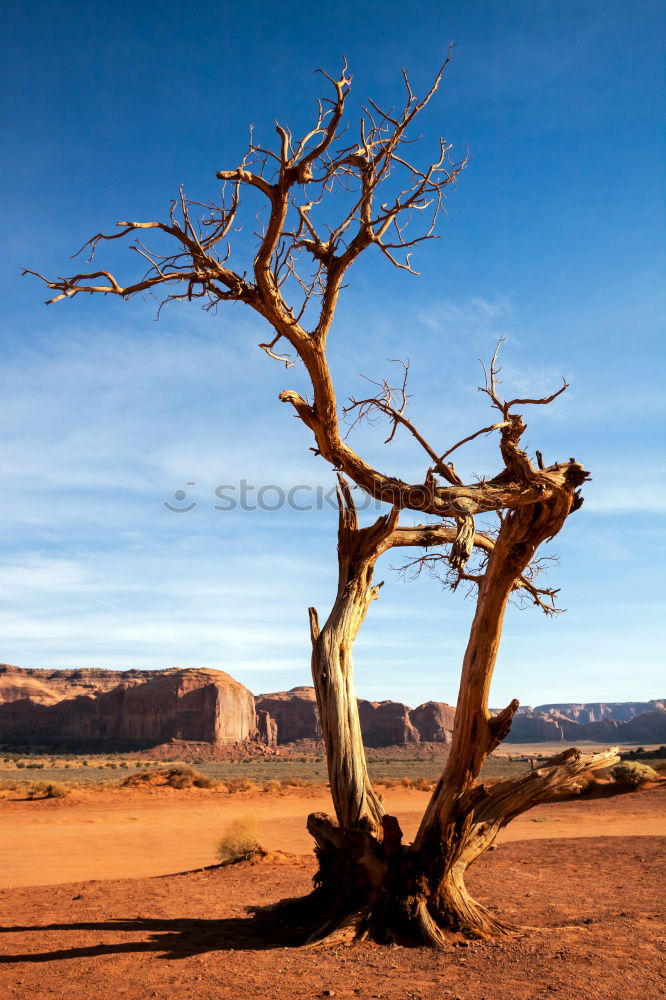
[175, 938]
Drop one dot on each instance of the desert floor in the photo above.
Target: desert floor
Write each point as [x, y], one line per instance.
[123, 833]
[587, 877]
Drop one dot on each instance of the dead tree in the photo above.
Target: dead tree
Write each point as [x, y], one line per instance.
[369, 882]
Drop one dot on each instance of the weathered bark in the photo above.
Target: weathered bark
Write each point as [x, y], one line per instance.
[369, 882]
[356, 805]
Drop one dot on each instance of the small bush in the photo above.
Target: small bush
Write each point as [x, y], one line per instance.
[202, 780]
[184, 776]
[272, 786]
[46, 790]
[630, 774]
[406, 782]
[179, 781]
[424, 784]
[240, 785]
[178, 776]
[239, 840]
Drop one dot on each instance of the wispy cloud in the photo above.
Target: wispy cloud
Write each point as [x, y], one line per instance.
[103, 426]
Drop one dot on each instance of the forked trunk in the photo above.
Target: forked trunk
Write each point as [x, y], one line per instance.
[369, 883]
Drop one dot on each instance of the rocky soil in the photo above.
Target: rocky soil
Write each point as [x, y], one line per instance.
[594, 908]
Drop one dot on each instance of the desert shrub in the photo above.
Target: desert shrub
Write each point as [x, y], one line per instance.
[423, 784]
[179, 781]
[46, 790]
[20, 763]
[203, 781]
[296, 782]
[272, 786]
[239, 840]
[241, 785]
[35, 767]
[184, 776]
[632, 774]
[6, 785]
[406, 782]
[178, 776]
[136, 779]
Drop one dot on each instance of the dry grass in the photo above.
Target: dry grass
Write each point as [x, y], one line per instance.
[46, 790]
[631, 774]
[178, 776]
[240, 839]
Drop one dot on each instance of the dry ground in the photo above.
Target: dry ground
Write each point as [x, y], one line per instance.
[128, 833]
[593, 898]
[594, 904]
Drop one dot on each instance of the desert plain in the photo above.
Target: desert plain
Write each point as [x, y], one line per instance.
[116, 892]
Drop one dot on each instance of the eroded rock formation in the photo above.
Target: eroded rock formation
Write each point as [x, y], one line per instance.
[294, 712]
[94, 709]
[386, 723]
[383, 723]
[46, 687]
[433, 721]
[198, 704]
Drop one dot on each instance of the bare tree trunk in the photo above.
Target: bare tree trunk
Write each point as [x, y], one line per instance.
[369, 882]
[356, 805]
[450, 833]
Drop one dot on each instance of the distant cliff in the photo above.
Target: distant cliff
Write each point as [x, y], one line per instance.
[624, 722]
[143, 708]
[386, 723]
[383, 723]
[134, 709]
[46, 687]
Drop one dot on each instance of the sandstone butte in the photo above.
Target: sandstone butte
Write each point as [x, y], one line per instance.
[140, 709]
[136, 709]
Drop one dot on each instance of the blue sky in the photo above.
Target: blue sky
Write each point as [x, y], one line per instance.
[553, 238]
